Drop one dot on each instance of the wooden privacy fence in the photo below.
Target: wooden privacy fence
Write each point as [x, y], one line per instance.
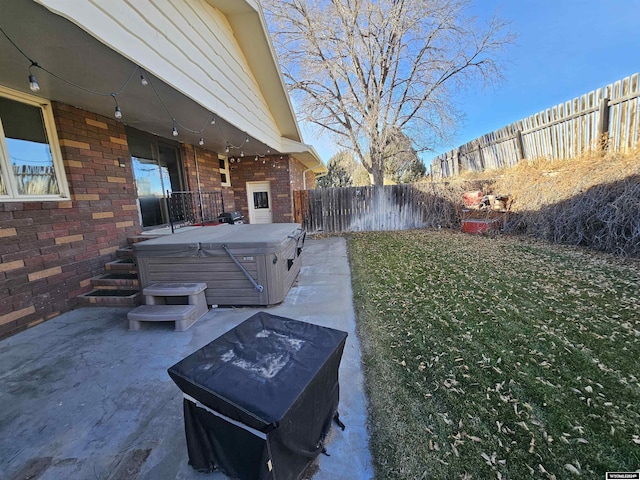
[358, 209]
[608, 117]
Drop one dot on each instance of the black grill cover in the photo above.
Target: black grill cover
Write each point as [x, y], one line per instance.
[266, 393]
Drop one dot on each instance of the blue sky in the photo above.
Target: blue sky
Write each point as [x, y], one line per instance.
[564, 48]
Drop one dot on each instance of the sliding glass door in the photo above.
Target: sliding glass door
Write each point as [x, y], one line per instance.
[157, 169]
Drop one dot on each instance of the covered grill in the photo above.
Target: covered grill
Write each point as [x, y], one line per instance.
[259, 400]
[232, 218]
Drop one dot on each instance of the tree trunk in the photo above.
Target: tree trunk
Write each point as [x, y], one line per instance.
[377, 166]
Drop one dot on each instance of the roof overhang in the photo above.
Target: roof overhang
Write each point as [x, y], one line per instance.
[48, 33]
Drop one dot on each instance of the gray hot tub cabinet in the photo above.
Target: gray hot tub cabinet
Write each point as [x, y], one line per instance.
[268, 253]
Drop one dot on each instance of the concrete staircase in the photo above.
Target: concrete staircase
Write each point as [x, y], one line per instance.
[118, 286]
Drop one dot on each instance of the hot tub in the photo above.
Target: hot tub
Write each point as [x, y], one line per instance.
[241, 264]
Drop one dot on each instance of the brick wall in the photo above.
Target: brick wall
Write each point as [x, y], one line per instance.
[50, 250]
[208, 169]
[273, 169]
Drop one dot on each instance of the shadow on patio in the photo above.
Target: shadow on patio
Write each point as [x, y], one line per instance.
[83, 397]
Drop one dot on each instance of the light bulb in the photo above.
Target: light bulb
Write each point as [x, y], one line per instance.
[175, 132]
[201, 142]
[255, 159]
[118, 113]
[143, 80]
[213, 120]
[226, 149]
[268, 151]
[33, 83]
[246, 140]
[242, 154]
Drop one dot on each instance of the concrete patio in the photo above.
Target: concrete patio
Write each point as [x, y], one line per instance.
[84, 398]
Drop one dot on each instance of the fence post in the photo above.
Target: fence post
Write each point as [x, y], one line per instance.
[603, 124]
[519, 145]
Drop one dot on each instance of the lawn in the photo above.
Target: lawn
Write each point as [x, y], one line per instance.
[497, 357]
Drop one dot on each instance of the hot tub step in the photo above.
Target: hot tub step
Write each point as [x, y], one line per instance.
[107, 297]
[183, 315]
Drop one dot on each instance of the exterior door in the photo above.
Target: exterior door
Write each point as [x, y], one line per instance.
[259, 198]
[157, 169]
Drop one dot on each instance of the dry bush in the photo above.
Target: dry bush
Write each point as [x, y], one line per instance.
[441, 201]
[593, 200]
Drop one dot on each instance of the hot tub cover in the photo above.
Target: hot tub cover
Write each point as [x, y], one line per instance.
[274, 375]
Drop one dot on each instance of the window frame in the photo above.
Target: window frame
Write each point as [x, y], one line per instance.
[54, 146]
[226, 171]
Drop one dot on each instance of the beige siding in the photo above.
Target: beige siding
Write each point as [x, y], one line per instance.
[190, 45]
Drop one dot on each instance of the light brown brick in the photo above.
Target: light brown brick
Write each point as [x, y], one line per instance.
[124, 224]
[85, 283]
[65, 142]
[8, 232]
[117, 140]
[86, 196]
[17, 314]
[130, 207]
[69, 239]
[5, 267]
[116, 180]
[96, 123]
[75, 163]
[49, 272]
[108, 251]
[102, 215]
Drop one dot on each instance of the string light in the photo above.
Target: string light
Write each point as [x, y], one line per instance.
[117, 112]
[255, 159]
[145, 80]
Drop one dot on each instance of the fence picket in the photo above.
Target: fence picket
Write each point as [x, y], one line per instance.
[563, 131]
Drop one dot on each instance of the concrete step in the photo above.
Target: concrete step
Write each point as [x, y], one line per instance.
[116, 280]
[125, 252]
[121, 265]
[107, 297]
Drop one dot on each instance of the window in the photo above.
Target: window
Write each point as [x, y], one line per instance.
[30, 161]
[225, 179]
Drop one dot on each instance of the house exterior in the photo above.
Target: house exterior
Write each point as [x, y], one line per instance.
[134, 99]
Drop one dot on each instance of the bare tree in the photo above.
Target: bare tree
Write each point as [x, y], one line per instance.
[366, 69]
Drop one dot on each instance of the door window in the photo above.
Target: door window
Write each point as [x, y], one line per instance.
[157, 170]
[260, 200]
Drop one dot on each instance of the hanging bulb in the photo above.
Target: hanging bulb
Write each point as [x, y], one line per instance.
[201, 142]
[237, 160]
[264, 160]
[226, 149]
[213, 120]
[33, 83]
[268, 151]
[174, 132]
[118, 113]
[246, 140]
[143, 80]
[255, 159]
[242, 154]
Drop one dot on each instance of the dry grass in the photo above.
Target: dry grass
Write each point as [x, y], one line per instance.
[497, 357]
[593, 200]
